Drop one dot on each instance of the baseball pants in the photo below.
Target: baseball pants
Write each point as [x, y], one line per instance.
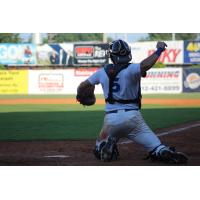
[131, 125]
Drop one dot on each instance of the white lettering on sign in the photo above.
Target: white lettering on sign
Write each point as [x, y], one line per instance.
[11, 52]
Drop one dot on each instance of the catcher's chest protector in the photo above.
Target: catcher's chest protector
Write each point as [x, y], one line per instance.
[112, 71]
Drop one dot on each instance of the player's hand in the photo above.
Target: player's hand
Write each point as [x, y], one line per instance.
[161, 45]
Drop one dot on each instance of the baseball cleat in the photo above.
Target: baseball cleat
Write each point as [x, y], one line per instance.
[109, 151]
[173, 157]
[169, 155]
[97, 150]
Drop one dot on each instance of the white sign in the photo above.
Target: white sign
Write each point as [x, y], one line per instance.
[58, 81]
[166, 80]
[172, 55]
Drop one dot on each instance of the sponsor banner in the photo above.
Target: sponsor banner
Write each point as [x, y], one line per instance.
[87, 54]
[48, 81]
[192, 52]
[191, 79]
[17, 54]
[84, 71]
[172, 55]
[166, 80]
[57, 81]
[55, 54]
[13, 81]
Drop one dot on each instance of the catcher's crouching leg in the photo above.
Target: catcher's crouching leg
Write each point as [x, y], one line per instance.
[106, 150]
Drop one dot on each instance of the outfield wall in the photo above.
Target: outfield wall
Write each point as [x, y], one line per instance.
[66, 81]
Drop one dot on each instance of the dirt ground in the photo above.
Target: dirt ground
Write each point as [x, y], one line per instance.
[172, 102]
[185, 138]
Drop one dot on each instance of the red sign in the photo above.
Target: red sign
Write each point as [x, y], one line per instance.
[84, 52]
[168, 56]
[84, 71]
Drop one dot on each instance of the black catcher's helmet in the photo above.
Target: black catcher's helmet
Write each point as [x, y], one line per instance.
[119, 52]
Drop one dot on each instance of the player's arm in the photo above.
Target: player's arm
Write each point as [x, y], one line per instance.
[149, 62]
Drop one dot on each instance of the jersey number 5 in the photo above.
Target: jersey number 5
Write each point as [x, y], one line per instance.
[116, 86]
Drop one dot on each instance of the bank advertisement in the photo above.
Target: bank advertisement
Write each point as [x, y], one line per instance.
[18, 54]
[192, 52]
[191, 79]
[13, 81]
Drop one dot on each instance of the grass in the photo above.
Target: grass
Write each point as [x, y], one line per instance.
[55, 122]
[58, 122]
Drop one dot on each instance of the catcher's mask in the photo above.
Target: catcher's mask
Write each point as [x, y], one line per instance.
[119, 52]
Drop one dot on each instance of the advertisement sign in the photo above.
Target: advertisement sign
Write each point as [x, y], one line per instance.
[66, 81]
[63, 81]
[166, 80]
[84, 71]
[13, 81]
[192, 52]
[17, 53]
[172, 55]
[47, 82]
[191, 79]
[86, 54]
[51, 81]
[55, 54]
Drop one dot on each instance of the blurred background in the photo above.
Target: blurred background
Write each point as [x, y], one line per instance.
[81, 54]
[46, 50]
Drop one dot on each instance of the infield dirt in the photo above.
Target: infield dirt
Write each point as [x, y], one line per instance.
[79, 153]
[173, 102]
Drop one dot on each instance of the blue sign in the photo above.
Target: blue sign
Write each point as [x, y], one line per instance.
[191, 52]
[17, 54]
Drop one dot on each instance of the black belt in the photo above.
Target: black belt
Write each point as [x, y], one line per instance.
[115, 111]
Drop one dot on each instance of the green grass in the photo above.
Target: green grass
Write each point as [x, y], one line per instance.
[54, 122]
[195, 95]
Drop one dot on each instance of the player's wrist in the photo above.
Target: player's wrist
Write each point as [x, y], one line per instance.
[159, 51]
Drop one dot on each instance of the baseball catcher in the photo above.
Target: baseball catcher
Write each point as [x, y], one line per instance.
[121, 87]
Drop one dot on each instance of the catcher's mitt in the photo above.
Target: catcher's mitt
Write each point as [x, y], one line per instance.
[85, 95]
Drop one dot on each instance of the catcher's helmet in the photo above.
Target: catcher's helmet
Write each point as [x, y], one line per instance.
[119, 52]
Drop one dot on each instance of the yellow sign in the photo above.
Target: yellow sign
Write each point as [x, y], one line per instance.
[193, 46]
[13, 81]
